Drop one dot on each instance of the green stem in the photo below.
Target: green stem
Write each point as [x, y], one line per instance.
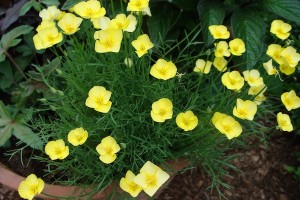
[15, 64]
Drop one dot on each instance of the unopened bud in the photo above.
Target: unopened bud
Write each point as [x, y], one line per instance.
[53, 108]
[43, 100]
[53, 90]
[60, 93]
[58, 71]
[123, 145]
[128, 62]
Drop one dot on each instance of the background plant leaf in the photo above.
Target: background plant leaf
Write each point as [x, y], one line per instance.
[249, 26]
[6, 75]
[161, 21]
[8, 39]
[12, 15]
[26, 7]
[51, 2]
[5, 134]
[4, 114]
[69, 4]
[26, 135]
[288, 9]
[210, 13]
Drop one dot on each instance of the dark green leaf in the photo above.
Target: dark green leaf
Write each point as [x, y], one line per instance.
[69, 4]
[6, 75]
[51, 2]
[210, 13]
[288, 9]
[7, 39]
[4, 114]
[5, 134]
[157, 27]
[249, 26]
[25, 8]
[26, 135]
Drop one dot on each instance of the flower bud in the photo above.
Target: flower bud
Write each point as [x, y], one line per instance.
[53, 90]
[128, 62]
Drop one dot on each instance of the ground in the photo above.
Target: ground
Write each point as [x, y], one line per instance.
[262, 176]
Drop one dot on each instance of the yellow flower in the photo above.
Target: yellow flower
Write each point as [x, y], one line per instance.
[219, 31]
[280, 29]
[69, 23]
[291, 56]
[142, 44]
[245, 109]
[77, 136]
[108, 149]
[101, 23]
[271, 70]
[138, 5]
[108, 40]
[187, 120]
[151, 178]
[49, 14]
[47, 37]
[220, 63]
[253, 78]
[284, 122]
[129, 186]
[89, 9]
[260, 98]
[233, 80]
[290, 100]
[222, 49]
[237, 47]
[162, 110]
[45, 24]
[124, 23]
[31, 187]
[274, 51]
[163, 69]
[99, 99]
[202, 66]
[259, 89]
[226, 125]
[286, 69]
[57, 149]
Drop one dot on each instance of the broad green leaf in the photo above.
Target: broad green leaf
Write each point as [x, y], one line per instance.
[249, 26]
[4, 114]
[6, 75]
[7, 39]
[160, 22]
[2, 54]
[5, 134]
[51, 2]
[69, 4]
[26, 135]
[12, 15]
[288, 9]
[210, 13]
[4, 122]
[25, 8]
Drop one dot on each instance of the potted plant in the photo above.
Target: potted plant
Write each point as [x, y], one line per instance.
[122, 106]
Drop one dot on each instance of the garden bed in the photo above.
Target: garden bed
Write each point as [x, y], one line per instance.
[263, 175]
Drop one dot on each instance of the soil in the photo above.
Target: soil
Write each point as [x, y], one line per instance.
[262, 176]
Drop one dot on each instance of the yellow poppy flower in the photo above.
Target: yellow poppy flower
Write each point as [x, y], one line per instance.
[219, 31]
[108, 149]
[284, 122]
[31, 187]
[163, 69]
[162, 110]
[57, 149]
[187, 120]
[142, 44]
[127, 184]
[98, 99]
[280, 29]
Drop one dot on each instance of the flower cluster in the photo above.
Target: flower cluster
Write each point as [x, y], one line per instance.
[150, 179]
[99, 110]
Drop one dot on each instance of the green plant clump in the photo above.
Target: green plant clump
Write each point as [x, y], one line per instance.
[122, 102]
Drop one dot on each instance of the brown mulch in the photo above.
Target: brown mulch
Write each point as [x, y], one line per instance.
[263, 176]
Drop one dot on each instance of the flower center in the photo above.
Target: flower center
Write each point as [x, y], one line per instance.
[108, 150]
[151, 180]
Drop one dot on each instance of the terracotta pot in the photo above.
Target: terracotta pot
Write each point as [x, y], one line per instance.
[12, 180]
